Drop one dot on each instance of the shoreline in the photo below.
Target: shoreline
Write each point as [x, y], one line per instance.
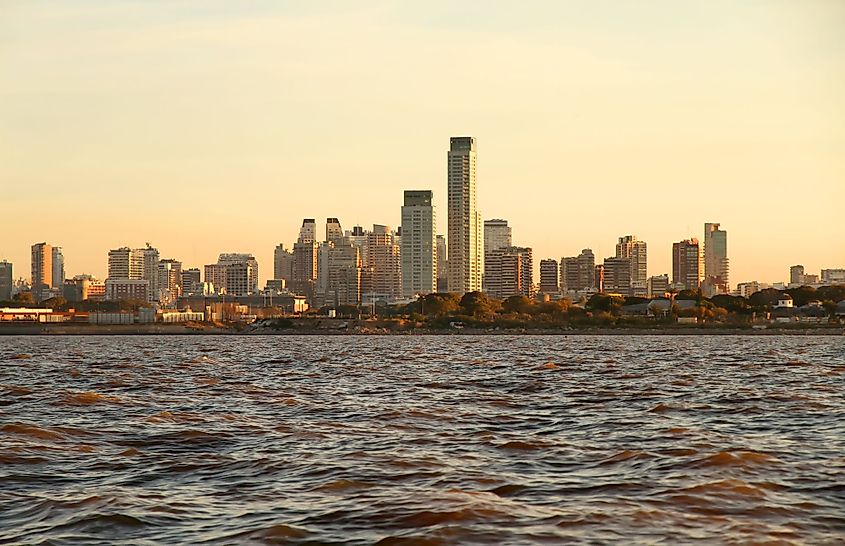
[180, 329]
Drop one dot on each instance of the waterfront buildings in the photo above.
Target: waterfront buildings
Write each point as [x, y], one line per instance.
[128, 289]
[465, 243]
[191, 281]
[617, 276]
[657, 285]
[305, 260]
[636, 252]
[549, 276]
[169, 281]
[58, 269]
[42, 271]
[716, 265]
[510, 272]
[239, 272]
[384, 264]
[577, 273]
[6, 281]
[686, 264]
[283, 265]
[420, 248]
[135, 264]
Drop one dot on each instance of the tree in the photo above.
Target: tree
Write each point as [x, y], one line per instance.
[24, 297]
[518, 304]
[478, 305]
[440, 304]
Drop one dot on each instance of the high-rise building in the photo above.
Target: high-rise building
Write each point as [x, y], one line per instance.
[466, 245]
[5, 281]
[796, 274]
[617, 276]
[833, 276]
[169, 281]
[442, 265]
[58, 273]
[283, 264]
[598, 279]
[658, 285]
[333, 230]
[419, 251]
[135, 264]
[191, 281]
[497, 234]
[240, 273]
[384, 263]
[716, 266]
[686, 264]
[577, 273]
[510, 272]
[636, 251]
[342, 273]
[42, 271]
[549, 280]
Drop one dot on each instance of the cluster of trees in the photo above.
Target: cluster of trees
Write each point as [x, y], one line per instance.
[25, 299]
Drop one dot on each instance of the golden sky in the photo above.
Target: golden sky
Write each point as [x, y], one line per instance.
[214, 126]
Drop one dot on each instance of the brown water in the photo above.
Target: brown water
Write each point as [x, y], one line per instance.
[422, 440]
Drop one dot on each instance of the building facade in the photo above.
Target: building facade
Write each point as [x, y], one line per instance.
[617, 276]
[465, 242]
[510, 272]
[283, 264]
[636, 251]
[419, 252]
[549, 276]
[6, 281]
[42, 271]
[686, 264]
[716, 265]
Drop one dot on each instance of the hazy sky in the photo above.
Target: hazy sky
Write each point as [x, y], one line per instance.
[216, 126]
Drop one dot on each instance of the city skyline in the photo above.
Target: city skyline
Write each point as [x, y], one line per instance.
[183, 127]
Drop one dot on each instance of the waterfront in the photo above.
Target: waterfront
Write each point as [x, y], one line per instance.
[430, 439]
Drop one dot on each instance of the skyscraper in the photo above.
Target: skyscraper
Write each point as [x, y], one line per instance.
[796, 274]
[170, 281]
[5, 281]
[466, 246]
[305, 260]
[419, 252]
[686, 264]
[333, 229]
[42, 271]
[716, 266]
[617, 275]
[577, 273]
[240, 273]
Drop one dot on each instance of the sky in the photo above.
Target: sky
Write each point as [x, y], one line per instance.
[214, 126]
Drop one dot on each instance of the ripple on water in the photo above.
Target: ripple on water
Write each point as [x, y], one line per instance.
[419, 440]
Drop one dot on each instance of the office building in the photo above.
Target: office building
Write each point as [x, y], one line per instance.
[419, 251]
[686, 264]
[6, 283]
[128, 289]
[465, 242]
[549, 276]
[716, 266]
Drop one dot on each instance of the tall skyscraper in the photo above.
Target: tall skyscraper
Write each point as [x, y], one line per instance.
[5, 281]
[333, 229]
[305, 260]
[419, 252]
[136, 264]
[686, 264]
[716, 265]
[240, 273]
[636, 251]
[466, 246]
[58, 272]
[549, 280]
[42, 271]
[169, 281]
[510, 272]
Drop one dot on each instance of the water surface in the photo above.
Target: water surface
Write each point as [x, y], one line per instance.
[422, 440]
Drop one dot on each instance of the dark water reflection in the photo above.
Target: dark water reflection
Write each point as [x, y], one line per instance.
[422, 440]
